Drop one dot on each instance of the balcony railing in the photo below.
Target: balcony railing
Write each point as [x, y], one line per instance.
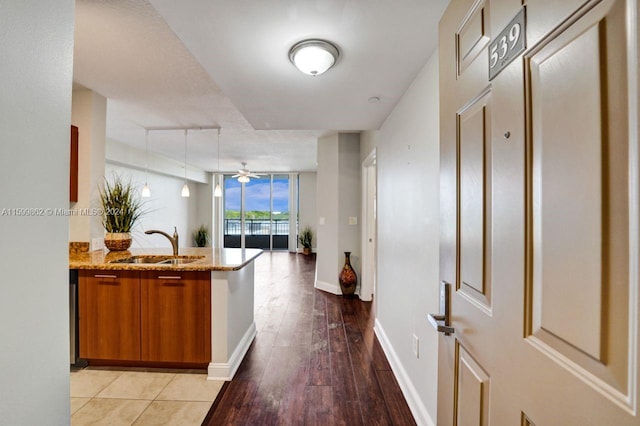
[256, 226]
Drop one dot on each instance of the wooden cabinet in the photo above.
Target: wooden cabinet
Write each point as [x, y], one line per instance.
[109, 314]
[176, 316]
[145, 316]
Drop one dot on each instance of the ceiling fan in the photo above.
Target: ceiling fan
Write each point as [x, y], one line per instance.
[244, 174]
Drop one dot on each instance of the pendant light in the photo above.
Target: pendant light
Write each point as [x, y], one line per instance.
[146, 191]
[217, 192]
[185, 188]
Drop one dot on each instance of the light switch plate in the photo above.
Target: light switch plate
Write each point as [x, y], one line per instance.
[321, 221]
[353, 220]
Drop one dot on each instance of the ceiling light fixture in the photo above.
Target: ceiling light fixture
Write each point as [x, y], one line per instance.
[146, 191]
[217, 192]
[185, 187]
[314, 56]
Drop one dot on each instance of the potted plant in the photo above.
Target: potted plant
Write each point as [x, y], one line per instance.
[121, 209]
[201, 236]
[305, 239]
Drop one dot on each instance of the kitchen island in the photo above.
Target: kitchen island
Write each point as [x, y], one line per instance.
[145, 307]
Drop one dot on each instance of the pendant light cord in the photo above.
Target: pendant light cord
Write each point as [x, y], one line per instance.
[185, 155]
[146, 156]
[217, 191]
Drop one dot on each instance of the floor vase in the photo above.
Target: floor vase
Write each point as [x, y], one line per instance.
[348, 278]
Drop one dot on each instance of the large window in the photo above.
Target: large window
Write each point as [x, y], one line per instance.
[265, 206]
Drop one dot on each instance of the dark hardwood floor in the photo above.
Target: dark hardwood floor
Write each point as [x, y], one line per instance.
[315, 359]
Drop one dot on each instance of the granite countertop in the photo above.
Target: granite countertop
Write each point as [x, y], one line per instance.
[207, 259]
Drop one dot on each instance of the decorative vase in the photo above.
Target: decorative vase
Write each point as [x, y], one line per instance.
[348, 278]
[117, 241]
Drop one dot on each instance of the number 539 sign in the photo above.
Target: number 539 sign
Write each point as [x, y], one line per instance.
[508, 45]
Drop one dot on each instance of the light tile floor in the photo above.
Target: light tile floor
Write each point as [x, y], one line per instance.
[105, 396]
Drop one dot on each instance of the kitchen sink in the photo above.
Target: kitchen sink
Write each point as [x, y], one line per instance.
[160, 260]
[141, 259]
[177, 261]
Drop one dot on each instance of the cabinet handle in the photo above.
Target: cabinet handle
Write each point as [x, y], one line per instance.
[105, 276]
[169, 277]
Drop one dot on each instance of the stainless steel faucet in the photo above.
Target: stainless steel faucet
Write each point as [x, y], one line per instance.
[174, 239]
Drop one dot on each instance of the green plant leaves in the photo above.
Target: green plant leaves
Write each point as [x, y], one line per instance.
[121, 205]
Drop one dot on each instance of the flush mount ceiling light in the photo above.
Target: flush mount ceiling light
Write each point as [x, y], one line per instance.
[314, 56]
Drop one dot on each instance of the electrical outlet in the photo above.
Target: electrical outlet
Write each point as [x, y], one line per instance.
[416, 346]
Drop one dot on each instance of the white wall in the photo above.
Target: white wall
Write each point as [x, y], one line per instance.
[307, 214]
[204, 208]
[128, 156]
[35, 114]
[166, 207]
[408, 187]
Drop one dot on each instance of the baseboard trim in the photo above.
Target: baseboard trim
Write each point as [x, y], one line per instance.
[226, 370]
[299, 250]
[328, 287]
[410, 393]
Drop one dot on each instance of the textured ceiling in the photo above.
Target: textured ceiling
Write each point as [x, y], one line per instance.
[202, 63]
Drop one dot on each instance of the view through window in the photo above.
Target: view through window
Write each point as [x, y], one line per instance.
[266, 212]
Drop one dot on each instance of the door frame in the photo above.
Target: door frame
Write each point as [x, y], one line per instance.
[369, 227]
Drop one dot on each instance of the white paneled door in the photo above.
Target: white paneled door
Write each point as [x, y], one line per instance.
[539, 213]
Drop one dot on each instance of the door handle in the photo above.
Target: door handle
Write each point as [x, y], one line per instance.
[439, 323]
[442, 322]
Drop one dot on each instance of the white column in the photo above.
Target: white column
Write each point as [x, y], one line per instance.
[338, 206]
[89, 114]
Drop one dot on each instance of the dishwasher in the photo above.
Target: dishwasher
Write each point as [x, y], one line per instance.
[74, 359]
[73, 315]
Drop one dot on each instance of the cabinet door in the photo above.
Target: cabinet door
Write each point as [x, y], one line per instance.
[176, 316]
[109, 314]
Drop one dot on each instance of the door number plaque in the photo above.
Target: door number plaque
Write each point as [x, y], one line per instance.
[507, 45]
